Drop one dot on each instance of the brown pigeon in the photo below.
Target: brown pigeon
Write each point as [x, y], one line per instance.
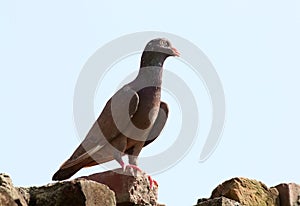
[132, 118]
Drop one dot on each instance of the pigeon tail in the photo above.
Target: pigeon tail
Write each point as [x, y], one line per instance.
[66, 173]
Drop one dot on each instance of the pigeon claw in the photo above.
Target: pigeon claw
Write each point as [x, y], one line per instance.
[152, 182]
[123, 166]
[133, 169]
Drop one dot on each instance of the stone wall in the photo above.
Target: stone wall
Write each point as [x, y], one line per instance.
[113, 188]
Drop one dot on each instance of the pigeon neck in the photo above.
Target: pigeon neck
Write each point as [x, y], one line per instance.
[150, 76]
[152, 59]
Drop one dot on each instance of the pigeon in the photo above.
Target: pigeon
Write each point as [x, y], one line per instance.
[131, 119]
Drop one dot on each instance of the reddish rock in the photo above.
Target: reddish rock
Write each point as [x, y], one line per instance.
[289, 194]
[129, 190]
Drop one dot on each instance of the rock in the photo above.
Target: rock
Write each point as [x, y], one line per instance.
[84, 191]
[219, 201]
[113, 188]
[25, 193]
[247, 192]
[76, 193]
[6, 199]
[9, 195]
[289, 194]
[129, 190]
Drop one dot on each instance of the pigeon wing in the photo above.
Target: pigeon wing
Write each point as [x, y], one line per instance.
[112, 121]
[158, 124]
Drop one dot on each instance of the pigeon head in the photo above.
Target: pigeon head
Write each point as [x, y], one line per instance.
[156, 51]
[163, 46]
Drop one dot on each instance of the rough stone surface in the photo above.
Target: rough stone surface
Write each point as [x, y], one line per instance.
[129, 190]
[97, 194]
[113, 188]
[289, 194]
[75, 193]
[6, 199]
[9, 195]
[247, 192]
[219, 201]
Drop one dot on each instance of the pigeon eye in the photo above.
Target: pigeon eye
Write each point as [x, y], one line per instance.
[163, 43]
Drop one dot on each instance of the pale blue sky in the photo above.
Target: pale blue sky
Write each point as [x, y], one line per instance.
[254, 46]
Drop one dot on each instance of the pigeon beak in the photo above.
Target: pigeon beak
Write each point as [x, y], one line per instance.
[175, 52]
